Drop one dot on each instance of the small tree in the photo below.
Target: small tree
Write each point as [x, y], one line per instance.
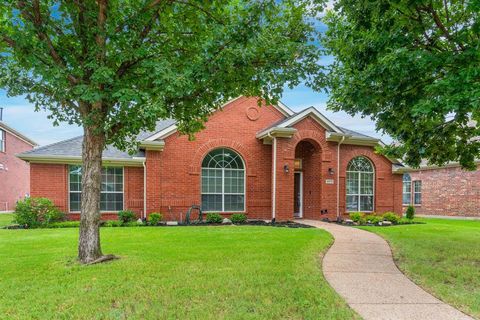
[413, 67]
[410, 213]
[116, 67]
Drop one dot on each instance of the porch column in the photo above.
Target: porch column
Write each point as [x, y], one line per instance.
[284, 179]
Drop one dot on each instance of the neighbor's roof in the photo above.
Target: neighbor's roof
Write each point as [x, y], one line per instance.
[5, 127]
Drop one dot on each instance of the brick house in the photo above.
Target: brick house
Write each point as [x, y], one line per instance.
[446, 191]
[14, 173]
[268, 162]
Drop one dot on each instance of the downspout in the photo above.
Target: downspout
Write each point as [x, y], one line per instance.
[274, 176]
[144, 190]
[338, 177]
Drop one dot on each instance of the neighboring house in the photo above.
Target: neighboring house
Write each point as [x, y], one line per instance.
[447, 190]
[14, 173]
[268, 162]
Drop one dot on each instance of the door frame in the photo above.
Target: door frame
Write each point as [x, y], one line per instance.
[299, 214]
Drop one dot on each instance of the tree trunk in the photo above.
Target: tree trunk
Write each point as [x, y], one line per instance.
[89, 249]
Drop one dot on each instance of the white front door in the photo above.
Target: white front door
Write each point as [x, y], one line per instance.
[298, 195]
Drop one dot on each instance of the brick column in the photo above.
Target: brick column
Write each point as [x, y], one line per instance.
[284, 181]
[153, 181]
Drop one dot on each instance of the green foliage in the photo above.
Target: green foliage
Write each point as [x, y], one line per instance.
[238, 218]
[112, 223]
[413, 67]
[154, 218]
[410, 213]
[373, 219]
[37, 212]
[64, 224]
[214, 218]
[391, 216]
[357, 216]
[153, 61]
[126, 216]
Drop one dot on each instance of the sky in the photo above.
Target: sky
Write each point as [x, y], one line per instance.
[20, 115]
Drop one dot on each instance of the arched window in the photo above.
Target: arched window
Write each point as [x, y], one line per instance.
[407, 189]
[360, 185]
[223, 181]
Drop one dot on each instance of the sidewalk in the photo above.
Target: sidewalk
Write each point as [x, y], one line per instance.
[360, 267]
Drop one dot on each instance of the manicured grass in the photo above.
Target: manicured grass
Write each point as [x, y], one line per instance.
[443, 256]
[5, 219]
[169, 273]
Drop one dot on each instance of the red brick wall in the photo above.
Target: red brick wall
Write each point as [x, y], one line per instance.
[388, 186]
[14, 173]
[449, 191]
[51, 181]
[174, 174]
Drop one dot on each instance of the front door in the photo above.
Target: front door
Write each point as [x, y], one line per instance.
[298, 195]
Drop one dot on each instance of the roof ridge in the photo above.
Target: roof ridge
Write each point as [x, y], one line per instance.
[52, 144]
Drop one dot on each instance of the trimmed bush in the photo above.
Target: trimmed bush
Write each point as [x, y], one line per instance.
[410, 213]
[154, 218]
[391, 216]
[37, 212]
[214, 218]
[112, 223]
[238, 218]
[126, 216]
[357, 216]
[373, 219]
[65, 224]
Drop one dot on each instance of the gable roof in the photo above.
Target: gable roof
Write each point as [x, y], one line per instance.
[14, 132]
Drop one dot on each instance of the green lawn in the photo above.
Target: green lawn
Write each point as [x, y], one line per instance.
[5, 219]
[443, 256]
[169, 273]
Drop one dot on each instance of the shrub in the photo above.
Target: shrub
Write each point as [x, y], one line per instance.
[126, 216]
[37, 212]
[65, 224]
[214, 218]
[373, 219]
[112, 223]
[357, 216]
[410, 213]
[391, 216]
[154, 218]
[238, 218]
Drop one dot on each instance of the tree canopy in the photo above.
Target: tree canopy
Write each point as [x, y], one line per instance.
[124, 64]
[413, 66]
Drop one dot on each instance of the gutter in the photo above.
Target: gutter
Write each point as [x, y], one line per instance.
[338, 177]
[274, 175]
[144, 189]
[57, 159]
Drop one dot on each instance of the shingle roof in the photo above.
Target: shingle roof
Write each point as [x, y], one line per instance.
[355, 133]
[73, 148]
[161, 125]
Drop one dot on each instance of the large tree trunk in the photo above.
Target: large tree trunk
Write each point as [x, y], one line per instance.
[89, 250]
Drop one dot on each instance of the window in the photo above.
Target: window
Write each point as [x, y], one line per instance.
[407, 189]
[360, 185]
[111, 197]
[417, 192]
[223, 181]
[2, 140]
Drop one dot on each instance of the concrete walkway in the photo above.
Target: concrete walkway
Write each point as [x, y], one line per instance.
[360, 267]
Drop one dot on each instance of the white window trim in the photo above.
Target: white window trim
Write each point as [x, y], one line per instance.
[416, 192]
[360, 194]
[410, 192]
[101, 211]
[223, 185]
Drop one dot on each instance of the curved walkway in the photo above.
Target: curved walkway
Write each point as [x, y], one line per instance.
[360, 267]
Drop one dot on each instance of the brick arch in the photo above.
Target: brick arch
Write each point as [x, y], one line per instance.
[201, 152]
[308, 135]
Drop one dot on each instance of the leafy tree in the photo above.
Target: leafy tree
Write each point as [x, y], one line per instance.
[413, 66]
[116, 67]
